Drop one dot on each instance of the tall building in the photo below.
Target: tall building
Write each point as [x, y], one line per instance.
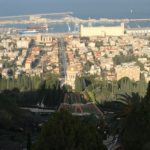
[102, 31]
[43, 38]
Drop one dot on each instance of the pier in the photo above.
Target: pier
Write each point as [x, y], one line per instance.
[65, 17]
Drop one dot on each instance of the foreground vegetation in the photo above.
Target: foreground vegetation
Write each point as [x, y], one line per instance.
[100, 90]
[130, 119]
[63, 131]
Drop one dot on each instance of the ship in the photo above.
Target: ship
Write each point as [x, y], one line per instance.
[40, 28]
[28, 32]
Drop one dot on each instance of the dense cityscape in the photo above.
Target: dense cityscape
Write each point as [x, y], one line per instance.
[73, 83]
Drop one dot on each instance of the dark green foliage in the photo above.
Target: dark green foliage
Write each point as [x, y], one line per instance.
[48, 87]
[24, 83]
[108, 90]
[130, 120]
[18, 126]
[14, 122]
[28, 141]
[114, 106]
[140, 65]
[28, 83]
[77, 53]
[136, 128]
[87, 66]
[79, 84]
[98, 44]
[30, 91]
[118, 59]
[63, 131]
[10, 114]
[131, 102]
[51, 81]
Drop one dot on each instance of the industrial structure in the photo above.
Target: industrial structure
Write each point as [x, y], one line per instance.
[138, 31]
[102, 31]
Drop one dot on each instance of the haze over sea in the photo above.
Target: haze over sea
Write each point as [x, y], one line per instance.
[80, 8]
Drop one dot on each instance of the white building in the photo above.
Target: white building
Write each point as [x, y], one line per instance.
[71, 74]
[129, 70]
[138, 31]
[23, 44]
[102, 31]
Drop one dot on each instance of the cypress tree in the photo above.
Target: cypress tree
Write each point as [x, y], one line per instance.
[147, 96]
[78, 86]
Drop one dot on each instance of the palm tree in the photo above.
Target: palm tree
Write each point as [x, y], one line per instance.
[130, 101]
[119, 120]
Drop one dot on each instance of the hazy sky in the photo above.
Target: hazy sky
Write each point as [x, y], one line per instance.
[83, 8]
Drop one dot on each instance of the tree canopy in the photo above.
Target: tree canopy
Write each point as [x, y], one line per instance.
[63, 131]
[137, 126]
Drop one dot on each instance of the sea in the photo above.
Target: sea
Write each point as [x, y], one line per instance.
[84, 9]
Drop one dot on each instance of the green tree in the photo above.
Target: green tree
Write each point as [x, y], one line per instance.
[98, 44]
[130, 100]
[63, 131]
[79, 84]
[51, 80]
[137, 129]
[87, 66]
[137, 126]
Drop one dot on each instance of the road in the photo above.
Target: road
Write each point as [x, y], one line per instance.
[62, 60]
